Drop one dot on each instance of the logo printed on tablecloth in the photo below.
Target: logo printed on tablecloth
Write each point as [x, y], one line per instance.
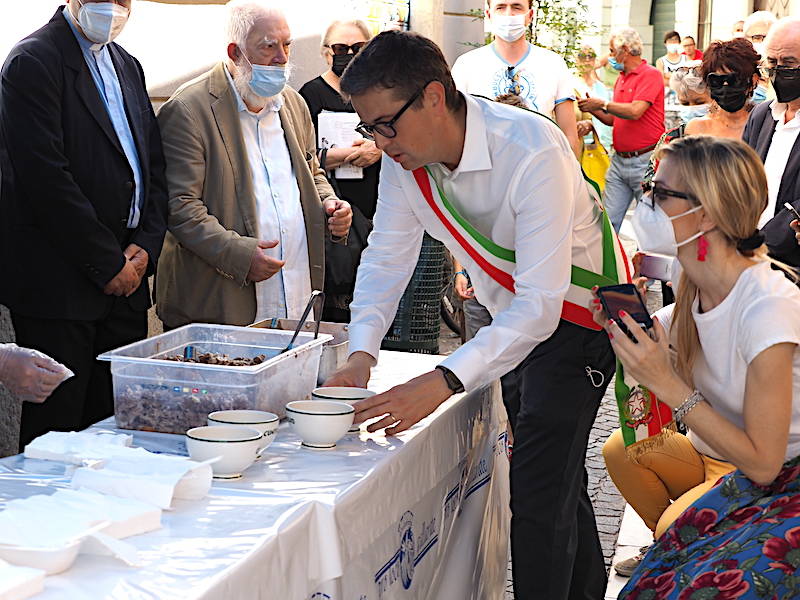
[409, 554]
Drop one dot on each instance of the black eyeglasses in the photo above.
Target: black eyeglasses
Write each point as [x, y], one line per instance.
[788, 72]
[655, 193]
[344, 48]
[757, 38]
[386, 128]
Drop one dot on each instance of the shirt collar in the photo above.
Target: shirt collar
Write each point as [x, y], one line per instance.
[779, 112]
[637, 70]
[275, 106]
[475, 156]
[83, 42]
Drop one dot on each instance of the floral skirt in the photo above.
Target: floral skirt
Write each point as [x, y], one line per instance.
[739, 540]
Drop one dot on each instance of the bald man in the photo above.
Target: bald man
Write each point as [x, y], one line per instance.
[773, 131]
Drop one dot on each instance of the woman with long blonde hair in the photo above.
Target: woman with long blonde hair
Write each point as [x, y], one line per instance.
[725, 358]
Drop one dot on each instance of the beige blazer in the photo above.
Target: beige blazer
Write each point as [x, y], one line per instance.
[213, 223]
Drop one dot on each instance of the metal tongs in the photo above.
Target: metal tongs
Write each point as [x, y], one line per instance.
[315, 295]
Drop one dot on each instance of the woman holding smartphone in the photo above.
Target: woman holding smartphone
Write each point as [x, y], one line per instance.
[725, 358]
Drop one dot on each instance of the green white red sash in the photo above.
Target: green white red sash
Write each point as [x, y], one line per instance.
[644, 420]
[499, 262]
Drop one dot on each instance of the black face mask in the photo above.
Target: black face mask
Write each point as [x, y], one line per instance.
[730, 98]
[786, 81]
[340, 62]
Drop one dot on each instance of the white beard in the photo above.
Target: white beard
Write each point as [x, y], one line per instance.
[241, 80]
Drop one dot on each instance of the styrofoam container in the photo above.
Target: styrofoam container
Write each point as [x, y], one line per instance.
[154, 394]
[51, 560]
[19, 583]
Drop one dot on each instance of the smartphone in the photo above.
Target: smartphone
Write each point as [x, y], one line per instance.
[792, 210]
[657, 266]
[624, 296]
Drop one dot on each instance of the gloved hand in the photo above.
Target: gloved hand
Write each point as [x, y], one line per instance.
[29, 374]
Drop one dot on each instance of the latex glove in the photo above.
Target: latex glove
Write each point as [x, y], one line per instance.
[29, 374]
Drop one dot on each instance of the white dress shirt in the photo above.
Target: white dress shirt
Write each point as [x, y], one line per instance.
[778, 155]
[519, 184]
[280, 214]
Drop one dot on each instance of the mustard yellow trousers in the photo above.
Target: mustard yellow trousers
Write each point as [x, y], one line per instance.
[665, 481]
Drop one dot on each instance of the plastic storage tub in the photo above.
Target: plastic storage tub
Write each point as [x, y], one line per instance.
[334, 352]
[153, 394]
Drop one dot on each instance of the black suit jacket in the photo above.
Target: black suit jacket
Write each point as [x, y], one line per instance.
[779, 236]
[66, 183]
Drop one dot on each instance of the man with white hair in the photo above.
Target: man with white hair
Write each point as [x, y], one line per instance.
[755, 29]
[773, 130]
[637, 116]
[249, 206]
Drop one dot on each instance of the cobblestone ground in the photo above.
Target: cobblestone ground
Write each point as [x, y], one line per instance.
[607, 501]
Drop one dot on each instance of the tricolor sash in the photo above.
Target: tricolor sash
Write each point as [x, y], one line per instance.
[499, 262]
[644, 420]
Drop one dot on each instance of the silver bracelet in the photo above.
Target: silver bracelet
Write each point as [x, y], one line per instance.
[687, 405]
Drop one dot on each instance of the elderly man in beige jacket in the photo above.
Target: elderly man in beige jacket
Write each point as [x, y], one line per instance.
[249, 207]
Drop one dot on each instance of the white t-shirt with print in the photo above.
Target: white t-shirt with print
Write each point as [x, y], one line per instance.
[762, 310]
[542, 77]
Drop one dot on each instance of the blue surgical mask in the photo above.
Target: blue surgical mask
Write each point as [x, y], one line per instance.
[266, 80]
[617, 66]
[759, 94]
[101, 22]
[694, 112]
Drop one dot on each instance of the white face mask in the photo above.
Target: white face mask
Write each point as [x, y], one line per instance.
[101, 22]
[761, 48]
[674, 48]
[508, 27]
[654, 229]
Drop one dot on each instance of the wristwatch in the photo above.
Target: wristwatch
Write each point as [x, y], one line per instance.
[605, 106]
[452, 381]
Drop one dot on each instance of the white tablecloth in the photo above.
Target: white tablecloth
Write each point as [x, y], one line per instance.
[421, 515]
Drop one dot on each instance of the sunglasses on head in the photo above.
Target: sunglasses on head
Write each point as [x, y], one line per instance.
[340, 49]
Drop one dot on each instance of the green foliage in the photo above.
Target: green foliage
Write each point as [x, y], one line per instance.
[558, 25]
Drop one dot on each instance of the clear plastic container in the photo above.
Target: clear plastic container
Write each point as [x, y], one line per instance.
[154, 394]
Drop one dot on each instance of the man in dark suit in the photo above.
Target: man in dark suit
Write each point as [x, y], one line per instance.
[773, 130]
[83, 203]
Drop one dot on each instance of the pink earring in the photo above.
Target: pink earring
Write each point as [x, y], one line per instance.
[702, 248]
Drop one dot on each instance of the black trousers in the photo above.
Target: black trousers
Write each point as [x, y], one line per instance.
[87, 397]
[555, 549]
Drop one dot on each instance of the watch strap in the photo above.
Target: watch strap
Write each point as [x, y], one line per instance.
[451, 379]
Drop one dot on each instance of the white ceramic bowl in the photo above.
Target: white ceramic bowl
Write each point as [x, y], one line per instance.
[320, 423]
[236, 446]
[265, 422]
[349, 395]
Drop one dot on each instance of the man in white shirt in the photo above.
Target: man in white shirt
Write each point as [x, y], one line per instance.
[511, 64]
[773, 130]
[501, 188]
[249, 205]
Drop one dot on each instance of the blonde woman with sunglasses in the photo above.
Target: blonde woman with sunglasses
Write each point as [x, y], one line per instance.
[725, 358]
